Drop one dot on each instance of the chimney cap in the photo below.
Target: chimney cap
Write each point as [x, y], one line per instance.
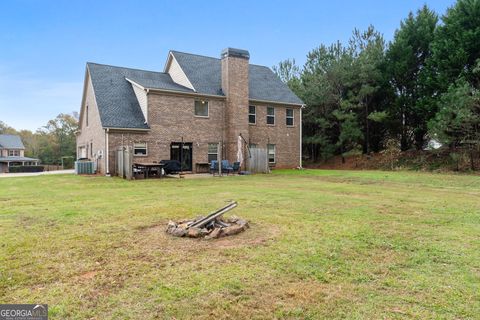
[237, 53]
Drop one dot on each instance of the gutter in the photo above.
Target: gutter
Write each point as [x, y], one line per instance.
[107, 166]
[278, 102]
[126, 129]
[301, 134]
[196, 94]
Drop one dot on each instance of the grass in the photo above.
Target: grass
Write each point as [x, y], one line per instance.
[323, 244]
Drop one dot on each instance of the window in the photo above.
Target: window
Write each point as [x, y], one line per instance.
[91, 149]
[212, 152]
[252, 145]
[140, 149]
[252, 115]
[14, 153]
[86, 116]
[201, 108]
[271, 153]
[270, 115]
[289, 117]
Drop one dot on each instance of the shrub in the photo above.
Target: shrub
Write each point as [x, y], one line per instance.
[14, 169]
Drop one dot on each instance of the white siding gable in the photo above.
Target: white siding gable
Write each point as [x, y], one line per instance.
[177, 74]
[142, 99]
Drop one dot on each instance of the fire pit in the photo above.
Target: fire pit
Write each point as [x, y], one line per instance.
[209, 227]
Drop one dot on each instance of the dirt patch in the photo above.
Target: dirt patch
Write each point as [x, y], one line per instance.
[88, 275]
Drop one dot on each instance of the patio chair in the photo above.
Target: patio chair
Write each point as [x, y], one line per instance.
[236, 167]
[226, 167]
[214, 167]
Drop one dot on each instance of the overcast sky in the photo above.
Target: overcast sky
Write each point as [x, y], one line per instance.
[45, 44]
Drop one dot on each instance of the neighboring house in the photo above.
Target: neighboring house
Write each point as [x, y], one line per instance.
[197, 103]
[12, 153]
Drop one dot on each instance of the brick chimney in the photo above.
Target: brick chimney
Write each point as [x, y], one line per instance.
[235, 87]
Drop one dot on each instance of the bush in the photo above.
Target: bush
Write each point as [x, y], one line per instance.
[25, 169]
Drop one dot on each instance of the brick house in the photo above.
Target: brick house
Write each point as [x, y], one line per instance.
[197, 103]
[12, 153]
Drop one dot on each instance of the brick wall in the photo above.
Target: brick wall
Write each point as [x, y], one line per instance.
[235, 87]
[171, 118]
[93, 134]
[285, 138]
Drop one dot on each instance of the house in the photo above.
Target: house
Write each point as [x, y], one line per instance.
[194, 111]
[12, 153]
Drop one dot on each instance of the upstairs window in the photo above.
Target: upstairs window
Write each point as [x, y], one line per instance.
[271, 153]
[14, 153]
[289, 118]
[140, 149]
[201, 108]
[270, 115]
[252, 115]
[86, 117]
[212, 152]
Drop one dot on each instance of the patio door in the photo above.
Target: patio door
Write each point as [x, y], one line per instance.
[182, 152]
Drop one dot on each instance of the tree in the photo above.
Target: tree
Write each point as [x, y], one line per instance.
[406, 59]
[457, 122]
[456, 48]
[57, 139]
[367, 82]
[287, 71]
[6, 129]
[323, 83]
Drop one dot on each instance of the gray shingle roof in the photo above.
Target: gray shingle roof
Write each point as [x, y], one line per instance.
[159, 80]
[205, 75]
[117, 104]
[119, 107]
[11, 141]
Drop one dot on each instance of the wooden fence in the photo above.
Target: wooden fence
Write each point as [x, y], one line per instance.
[258, 161]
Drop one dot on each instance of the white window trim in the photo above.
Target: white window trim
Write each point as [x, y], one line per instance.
[252, 114]
[211, 153]
[274, 116]
[274, 153]
[287, 117]
[13, 153]
[140, 155]
[208, 109]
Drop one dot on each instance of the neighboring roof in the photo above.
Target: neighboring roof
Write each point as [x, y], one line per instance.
[15, 159]
[11, 141]
[205, 75]
[116, 100]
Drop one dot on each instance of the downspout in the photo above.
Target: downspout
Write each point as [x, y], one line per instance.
[107, 166]
[301, 123]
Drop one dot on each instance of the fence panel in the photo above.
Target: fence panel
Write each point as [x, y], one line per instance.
[258, 162]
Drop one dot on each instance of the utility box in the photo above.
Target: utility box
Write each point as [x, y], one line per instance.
[84, 167]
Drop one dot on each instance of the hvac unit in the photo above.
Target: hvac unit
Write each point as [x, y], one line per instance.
[84, 167]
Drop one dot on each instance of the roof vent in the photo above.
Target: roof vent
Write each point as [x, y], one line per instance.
[237, 53]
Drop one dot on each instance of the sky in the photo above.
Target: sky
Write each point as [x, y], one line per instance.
[45, 44]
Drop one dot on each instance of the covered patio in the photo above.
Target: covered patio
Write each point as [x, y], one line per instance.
[7, 162]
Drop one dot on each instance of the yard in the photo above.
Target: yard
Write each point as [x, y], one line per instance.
[322, 244]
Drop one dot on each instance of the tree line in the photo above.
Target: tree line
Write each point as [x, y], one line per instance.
[422, 86]
[51, 142]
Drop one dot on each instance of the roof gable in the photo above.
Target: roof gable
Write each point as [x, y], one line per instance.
[117, 104]
[11, 141]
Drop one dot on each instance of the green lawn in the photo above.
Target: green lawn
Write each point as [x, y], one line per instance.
[322, 244]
